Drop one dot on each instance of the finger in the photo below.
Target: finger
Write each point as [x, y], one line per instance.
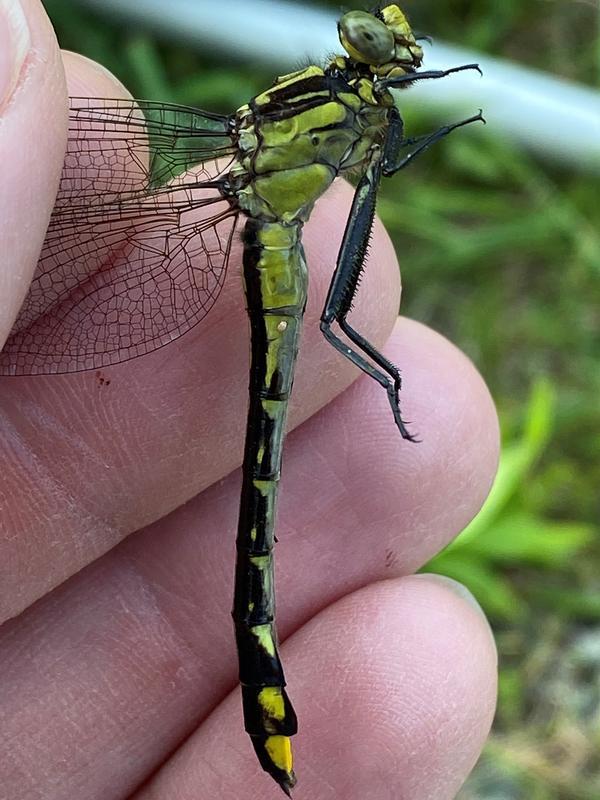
[395, 688]
[85, 294]
[33, 121]
[30, 432]
[104, 454]
[87, 78]
[141, 642]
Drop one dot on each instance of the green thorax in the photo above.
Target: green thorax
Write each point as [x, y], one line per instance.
[297, 136]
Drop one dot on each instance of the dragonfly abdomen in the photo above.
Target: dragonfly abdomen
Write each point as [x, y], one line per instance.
[276, 286]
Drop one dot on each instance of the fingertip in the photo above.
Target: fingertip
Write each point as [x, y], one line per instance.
[396, 687]
[87, 78]
[32, 141]
[440, 586]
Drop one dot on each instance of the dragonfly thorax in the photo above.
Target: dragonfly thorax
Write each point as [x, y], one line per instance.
[297, 136]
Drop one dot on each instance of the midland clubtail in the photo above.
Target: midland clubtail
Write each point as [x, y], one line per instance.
[138, 246]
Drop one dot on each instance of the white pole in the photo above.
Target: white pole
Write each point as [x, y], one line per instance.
[550, 115]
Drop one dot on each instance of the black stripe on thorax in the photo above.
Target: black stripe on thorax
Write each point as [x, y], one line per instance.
[301, 96]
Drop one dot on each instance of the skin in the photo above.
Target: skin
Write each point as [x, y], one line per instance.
[116, 652]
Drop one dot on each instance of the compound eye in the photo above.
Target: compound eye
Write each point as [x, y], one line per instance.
[365, 38]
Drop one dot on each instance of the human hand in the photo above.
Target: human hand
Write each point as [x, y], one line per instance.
[128, 650]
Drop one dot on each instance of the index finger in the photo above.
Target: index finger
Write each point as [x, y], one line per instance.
[33, 125]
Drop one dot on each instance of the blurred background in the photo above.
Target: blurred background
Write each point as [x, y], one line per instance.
[500, 234]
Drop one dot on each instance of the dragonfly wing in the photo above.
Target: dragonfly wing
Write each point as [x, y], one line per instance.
[138, 243]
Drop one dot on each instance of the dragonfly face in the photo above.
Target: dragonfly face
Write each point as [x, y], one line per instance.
[381, 39]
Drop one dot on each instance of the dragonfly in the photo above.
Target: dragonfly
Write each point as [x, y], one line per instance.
[137, 248]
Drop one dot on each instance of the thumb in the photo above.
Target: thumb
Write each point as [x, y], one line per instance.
[33, 129]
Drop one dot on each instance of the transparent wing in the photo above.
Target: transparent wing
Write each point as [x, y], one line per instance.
[137, 246]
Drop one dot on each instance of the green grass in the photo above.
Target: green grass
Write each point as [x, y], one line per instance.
[501, 252]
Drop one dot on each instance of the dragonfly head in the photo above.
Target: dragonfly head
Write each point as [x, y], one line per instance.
[381, 39]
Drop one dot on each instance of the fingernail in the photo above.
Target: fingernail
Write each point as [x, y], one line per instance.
[14, 46]
[457, 588]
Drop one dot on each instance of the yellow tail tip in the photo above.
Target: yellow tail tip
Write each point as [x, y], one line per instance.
[279, 750]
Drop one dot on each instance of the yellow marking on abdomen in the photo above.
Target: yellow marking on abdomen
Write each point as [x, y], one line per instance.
[271, 701]
[279, 749]
[265, 638]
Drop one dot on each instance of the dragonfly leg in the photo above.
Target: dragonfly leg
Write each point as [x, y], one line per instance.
[391, 384]
[343, 287]
[431, 74]
[394, 163]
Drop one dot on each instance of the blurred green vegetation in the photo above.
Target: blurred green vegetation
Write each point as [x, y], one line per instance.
[501, 252]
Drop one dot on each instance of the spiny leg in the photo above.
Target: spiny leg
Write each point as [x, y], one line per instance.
[412, 77]
[353, 252]
[393, 165]
[343, 288]
[395, 141]
[391, 386]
